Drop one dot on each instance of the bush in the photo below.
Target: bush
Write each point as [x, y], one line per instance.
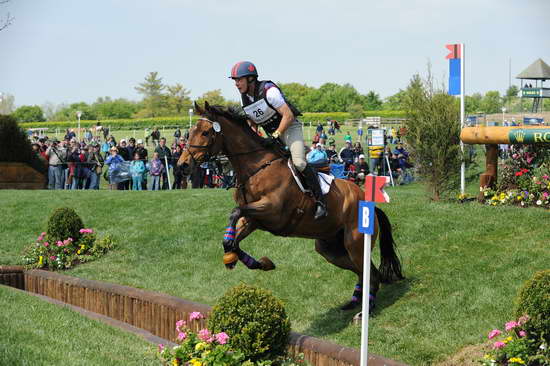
[255, 321]
[534, 300]
[16, 147]
[64, 223]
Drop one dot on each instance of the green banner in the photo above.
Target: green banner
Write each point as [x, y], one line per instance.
[529, 136]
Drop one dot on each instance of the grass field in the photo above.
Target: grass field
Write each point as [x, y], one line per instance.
[464, 262]
[34, 332]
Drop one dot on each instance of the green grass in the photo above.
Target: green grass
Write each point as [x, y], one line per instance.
[35, 332]
[464, 262]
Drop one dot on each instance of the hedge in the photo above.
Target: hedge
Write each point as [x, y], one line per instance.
[182, 122]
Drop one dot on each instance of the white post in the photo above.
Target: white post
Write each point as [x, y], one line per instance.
[190, 116]
[462, 94]
[366, 292]
[78, 114]
[167, 172]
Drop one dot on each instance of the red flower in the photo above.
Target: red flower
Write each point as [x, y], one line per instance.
[524, 170]
[519, 174]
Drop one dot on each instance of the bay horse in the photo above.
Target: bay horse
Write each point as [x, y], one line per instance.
[268, 198]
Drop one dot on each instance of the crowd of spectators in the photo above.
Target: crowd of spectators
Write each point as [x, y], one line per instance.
[125, 165]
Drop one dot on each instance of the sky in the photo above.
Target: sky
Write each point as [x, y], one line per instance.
[67, 51]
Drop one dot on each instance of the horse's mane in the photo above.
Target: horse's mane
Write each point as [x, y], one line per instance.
[237, 117]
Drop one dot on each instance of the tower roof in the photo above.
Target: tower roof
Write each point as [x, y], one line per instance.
[538, 70]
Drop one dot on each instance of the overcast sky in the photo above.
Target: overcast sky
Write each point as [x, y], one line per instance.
[73, 50]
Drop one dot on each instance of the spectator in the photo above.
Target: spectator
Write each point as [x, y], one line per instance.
[347, 154]
[332, 155]
[123, 151]
[177, 134]
[317, 156]
[57, 156]
[347, 137]
[376, 156]
[143, 156]
[137, 168]
[165, 156]
[131, 147]
[96, 166]
[358, 149]
[361, 169]
[88, 135]
[105, 132]
[319, 128]
[180, 181]
[155, 135]
[316, 138]
[113, 161]
[360, 132]
[156, 170]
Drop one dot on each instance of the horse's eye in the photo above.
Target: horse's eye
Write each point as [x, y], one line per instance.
[205, 133]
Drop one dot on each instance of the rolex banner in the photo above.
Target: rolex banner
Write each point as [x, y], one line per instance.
[529, 136]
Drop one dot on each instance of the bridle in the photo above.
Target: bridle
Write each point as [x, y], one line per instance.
[211, 141]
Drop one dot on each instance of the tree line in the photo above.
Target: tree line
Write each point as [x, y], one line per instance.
[162, 100]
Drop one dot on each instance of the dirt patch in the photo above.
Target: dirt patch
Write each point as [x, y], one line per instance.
[467, 356]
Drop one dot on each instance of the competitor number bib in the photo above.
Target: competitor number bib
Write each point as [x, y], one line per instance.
[260, 112]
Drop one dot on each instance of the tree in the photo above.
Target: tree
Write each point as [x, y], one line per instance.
[118, 108]
[7, 20]
[395, 102]
[433, 129]
[472, 103]
[492, 102]
[372, 101]
[68, 113]
[7, 103]
[355, 111]
[152, 89]
[296, 94]
[213, 97]
[28, 113]
[178, 98]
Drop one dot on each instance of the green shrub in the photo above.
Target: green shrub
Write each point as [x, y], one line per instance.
[255, 321]
[534, 300]
[16, 147]
[64, 223]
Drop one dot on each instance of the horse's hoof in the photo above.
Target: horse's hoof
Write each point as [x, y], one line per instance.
[357, 318]
[267, 264]
[230, 265]
[230, 258]
[352, 304]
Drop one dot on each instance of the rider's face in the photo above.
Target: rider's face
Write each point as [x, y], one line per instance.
[241, 84]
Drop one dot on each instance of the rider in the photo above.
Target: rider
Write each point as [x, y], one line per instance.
[265, 105]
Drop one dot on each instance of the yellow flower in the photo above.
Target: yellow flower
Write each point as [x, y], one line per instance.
[200, 346]
[195, 362]
[78, 251]
[509, 339]
[519, 198]
[175, 362]
[82, 247]
[516, 360]
[40, 260]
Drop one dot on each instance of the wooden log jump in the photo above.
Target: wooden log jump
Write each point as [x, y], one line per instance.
[494, 135]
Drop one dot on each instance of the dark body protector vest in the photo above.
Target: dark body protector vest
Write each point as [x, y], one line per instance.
[260, 111]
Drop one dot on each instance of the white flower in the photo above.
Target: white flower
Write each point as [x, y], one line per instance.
[522, 203]
[539, 202]
[542, 346]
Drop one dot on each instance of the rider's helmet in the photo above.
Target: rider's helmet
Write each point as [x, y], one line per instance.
[243, 68]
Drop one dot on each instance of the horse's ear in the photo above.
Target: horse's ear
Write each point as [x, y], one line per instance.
[206, 106]
[199, 110]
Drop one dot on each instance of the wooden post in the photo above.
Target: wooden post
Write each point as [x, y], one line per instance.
[489, 178]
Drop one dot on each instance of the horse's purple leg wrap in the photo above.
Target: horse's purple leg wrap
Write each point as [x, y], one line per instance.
[248, 261]
[357, 293]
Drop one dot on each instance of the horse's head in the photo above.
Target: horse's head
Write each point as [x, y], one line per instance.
[205, 139]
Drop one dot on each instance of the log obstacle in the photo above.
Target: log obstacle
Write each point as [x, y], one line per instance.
[157, 313]
[21, 176]
[494, 135]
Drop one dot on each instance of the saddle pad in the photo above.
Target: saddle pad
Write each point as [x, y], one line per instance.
[325, 180]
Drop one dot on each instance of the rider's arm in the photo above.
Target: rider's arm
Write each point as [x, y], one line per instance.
[288, 118]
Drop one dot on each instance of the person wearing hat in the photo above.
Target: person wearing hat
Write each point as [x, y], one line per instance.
[317, 156]
[265, 105]
[361, 169]
[113, 161]
[57, 158]
[141, 150]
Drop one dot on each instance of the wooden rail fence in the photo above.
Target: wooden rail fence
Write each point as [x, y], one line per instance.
[157, 313]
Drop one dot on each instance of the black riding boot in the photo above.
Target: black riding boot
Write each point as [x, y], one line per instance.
[312, 181]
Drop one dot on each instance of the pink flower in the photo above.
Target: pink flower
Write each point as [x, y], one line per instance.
[179, 324]
[494, 333]
[498, 345]
[86, 231]
[204, 335]
[221, 337]
[161, 347]
[46, 243]
[69, 239]
[40, 238]
[545, 177]
[182, 336]
[522, 333]
[66, 242]
[195, 315]
[511, 325]
[52, 257]
[43, 234]
[59, 243]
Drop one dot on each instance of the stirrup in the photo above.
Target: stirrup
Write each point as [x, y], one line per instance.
[320, 210]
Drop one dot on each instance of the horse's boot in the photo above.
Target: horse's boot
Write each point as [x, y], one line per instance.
[312, 181]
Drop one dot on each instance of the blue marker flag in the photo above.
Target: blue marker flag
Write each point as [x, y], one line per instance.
[454, 76]
[366, 217]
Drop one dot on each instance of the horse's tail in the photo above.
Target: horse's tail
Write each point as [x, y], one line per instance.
[390, 266]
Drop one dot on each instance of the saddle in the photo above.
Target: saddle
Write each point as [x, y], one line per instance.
[323, 172]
